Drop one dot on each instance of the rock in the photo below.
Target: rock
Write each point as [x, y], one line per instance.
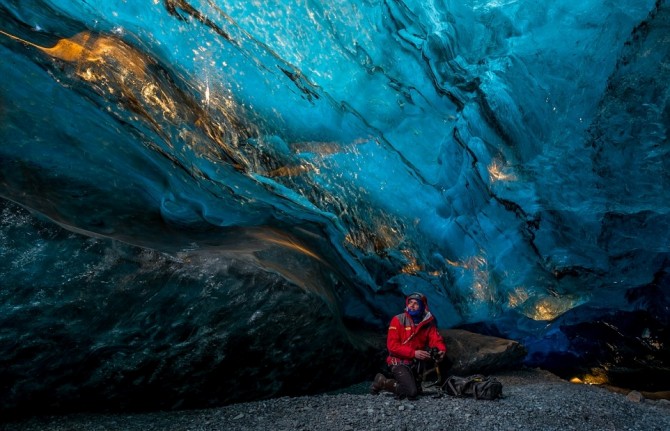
[658, 395]
[648, 395]
[635, 396]
[471, 353]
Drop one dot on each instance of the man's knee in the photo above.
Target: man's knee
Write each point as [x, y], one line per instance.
[406, 382]
[410, 392]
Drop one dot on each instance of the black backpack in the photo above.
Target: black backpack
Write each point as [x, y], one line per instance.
[477, 386]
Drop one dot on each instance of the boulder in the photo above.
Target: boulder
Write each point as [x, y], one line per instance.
[471, 353]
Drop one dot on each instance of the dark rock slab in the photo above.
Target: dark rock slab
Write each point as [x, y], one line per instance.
[471, 353]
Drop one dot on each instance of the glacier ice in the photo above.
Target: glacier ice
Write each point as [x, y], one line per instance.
[198, 195]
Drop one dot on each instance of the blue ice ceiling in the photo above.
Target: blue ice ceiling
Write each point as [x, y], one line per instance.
[507, 158]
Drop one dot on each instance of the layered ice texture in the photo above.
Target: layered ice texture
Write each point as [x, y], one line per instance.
[209, 201]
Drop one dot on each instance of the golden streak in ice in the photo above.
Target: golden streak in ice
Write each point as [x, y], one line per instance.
[118, 71]
[496, 173]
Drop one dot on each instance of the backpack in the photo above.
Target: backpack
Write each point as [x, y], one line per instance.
[478, 386]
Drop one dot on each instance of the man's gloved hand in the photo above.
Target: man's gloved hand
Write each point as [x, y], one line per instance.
[421, 355]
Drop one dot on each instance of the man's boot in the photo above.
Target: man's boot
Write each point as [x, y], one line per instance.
[381, 383]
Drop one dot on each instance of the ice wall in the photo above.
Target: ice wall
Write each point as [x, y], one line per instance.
[507, 158]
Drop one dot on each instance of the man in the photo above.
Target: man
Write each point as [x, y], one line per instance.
[410, 335]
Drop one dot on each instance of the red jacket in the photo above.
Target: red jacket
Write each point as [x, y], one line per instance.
[405, 337]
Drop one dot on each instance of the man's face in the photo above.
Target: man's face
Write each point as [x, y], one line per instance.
[413, 305]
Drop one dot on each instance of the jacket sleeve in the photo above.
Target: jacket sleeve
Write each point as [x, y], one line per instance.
[435, 339]
[394, 341]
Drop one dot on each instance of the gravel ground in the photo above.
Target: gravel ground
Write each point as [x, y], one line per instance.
[533, 400]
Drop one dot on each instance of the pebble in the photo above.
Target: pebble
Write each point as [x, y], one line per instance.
[540, 402]
[635, 396]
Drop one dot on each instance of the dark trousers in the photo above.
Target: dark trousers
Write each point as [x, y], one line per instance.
[406, 376]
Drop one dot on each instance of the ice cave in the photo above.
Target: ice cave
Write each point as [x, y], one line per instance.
[211, 201]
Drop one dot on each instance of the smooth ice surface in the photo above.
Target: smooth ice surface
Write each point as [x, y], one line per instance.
[315, 161]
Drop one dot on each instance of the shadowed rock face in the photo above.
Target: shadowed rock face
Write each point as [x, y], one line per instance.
[206, 202]
[147, 330]
[469, 353]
